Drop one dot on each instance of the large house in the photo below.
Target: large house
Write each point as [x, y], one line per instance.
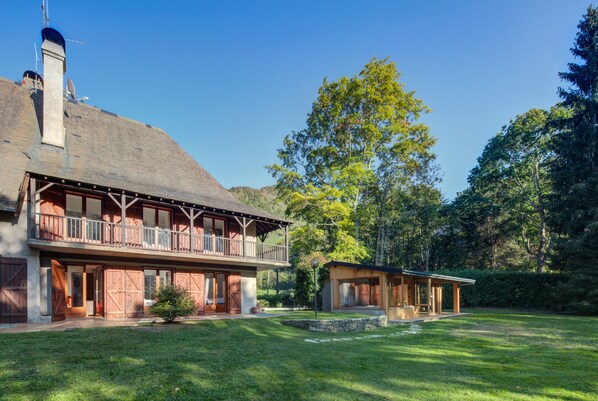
[98, 211]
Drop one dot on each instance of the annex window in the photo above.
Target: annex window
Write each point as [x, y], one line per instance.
[359, 292]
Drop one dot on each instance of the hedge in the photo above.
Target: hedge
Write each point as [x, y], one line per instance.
[506, 289]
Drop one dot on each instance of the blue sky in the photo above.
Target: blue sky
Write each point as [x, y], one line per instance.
[228, 79]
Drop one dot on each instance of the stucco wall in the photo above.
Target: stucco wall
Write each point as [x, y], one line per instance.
[248, 291]
[13, 243]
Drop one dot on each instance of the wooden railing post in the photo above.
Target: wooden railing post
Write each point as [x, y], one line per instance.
[123, 218]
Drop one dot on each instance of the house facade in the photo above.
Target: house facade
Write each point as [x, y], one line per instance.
[98, 211]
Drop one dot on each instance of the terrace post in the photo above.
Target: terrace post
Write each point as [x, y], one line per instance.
[456, 298]
[430, 303]
[244, 235]
[32, 208]
[286, 243]
[123, 220]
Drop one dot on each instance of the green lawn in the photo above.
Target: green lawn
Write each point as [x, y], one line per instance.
[489, 356]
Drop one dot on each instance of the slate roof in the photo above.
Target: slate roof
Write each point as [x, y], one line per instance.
[104, 149]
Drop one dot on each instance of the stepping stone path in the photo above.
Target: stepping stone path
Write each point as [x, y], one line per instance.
[413, 329]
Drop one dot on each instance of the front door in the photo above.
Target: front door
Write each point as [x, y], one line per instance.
[76, 294]
[215, 292]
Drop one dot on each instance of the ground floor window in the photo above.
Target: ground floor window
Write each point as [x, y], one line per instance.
[153, 279]
[360, 292]
[400, 292]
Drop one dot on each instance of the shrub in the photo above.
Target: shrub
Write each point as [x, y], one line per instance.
[272, 299]
[262, 303]
[506, 289]
[288, 301]
[173, 302]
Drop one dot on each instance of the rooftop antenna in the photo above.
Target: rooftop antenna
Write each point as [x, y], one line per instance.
[45, 17]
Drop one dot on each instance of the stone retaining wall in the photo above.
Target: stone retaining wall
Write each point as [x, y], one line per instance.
[338, 325]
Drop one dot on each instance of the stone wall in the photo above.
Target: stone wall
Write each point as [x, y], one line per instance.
[338, 325]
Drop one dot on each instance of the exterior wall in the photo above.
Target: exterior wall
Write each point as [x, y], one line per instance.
[13, 243]
[346, 273]
[248, 291]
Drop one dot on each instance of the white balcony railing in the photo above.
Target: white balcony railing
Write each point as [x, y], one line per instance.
[50, 227]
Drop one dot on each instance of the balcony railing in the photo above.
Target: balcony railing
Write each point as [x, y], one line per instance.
[50, 227]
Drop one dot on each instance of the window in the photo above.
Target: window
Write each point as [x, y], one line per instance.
[156, 231]
[213, 230]
[359, 292]
[149, 289]
[79, 206]
[153, 280]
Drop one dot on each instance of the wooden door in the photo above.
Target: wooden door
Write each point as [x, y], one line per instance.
[133, 293]
[75, 291]
[234, 293]
[375, 295]
[58, 292]
[193, 282]
[124, 293]
[13, 290]
[115, 293]
[364, 294]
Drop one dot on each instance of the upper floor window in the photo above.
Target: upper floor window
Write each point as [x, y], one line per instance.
[157, 224]
[79, 206]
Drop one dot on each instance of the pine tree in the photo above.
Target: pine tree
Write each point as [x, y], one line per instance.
[575, 173]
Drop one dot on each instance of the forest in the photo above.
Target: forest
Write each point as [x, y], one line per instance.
[361, 182]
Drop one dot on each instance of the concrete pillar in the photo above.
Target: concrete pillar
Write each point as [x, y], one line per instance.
[248, 291]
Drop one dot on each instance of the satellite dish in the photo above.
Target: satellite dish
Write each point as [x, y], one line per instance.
[71, 89]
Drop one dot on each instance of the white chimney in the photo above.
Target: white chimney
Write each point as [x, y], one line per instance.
[54, 59]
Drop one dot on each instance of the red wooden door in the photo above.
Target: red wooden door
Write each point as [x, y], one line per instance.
[196, 286]
[124, 293]
[115, 293]
[193, 282]
[13, 290]
[133, 293]
[234, 293]
[364, 294]
[58, 292]
[375, 294]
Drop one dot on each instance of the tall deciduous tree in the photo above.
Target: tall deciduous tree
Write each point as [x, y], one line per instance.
[575, 171]
[362, 139]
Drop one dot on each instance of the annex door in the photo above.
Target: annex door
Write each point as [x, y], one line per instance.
[58, 292]
[124, 293]
[13, 290]
[194, 283]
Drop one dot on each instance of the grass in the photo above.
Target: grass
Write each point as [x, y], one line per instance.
[492, 355]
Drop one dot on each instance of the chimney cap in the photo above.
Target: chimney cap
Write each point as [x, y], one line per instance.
[33, 75]
[53, 36]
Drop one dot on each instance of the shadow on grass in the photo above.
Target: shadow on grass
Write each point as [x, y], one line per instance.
[484, 357]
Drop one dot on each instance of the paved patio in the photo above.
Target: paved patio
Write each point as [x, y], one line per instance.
[95, 322]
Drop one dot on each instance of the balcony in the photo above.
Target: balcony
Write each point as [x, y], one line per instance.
[81, 231]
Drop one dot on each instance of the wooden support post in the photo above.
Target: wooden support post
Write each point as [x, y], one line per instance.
[123, 218]
[32, 208]
[402, 292]
[430, 300]
[244, 235]
[286, 242]
[191, 229]
[456, 298]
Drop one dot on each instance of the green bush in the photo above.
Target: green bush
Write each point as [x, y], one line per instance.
[173, 302]
[506, 289]
[272, 299]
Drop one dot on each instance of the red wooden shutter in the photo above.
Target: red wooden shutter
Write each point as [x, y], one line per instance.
[194, 283]
[58, 292]
[234, 293]
[115, 293]
[133, 293]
